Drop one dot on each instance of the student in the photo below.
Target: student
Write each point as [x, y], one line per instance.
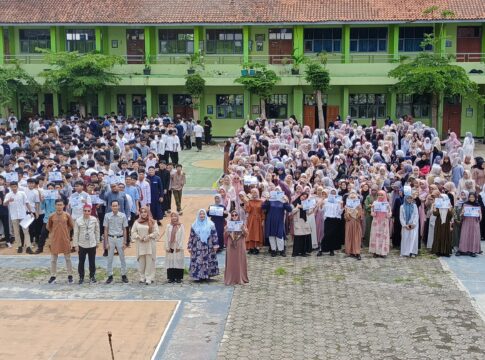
[379, 233]
[236, 269]
[443, 228]
[353, 226]
[470, 229]
[85, 241]
[409, 218]
[174, 248]
[115, 235]
[302, 239]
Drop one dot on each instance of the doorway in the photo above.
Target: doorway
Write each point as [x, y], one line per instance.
[452, 115]
[48, 106]
[28, 110]
[135, 46]
[468, 44]
[280, 45]
[139, 106]
[182, 105]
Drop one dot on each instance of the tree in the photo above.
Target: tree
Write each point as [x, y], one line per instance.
[431, 73]
[80, 75]
[319, 78]
[261, 83]
[195, 84]
[16, 82]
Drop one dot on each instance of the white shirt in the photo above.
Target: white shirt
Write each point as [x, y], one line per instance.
[33, 197]
[76, 204]
[145, 192]
[17, 209]
[198, 130]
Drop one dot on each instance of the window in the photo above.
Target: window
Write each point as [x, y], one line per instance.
[121, 104]
[80, 40]
[418, 106]
[367, 105]
[277, 107]
[323, 40]
[280, 34]
[410, 38]
[311, 99]
[230, 106]
[224, 41]
[176, 41]
[368, 39]
[162, 104]
[139, 104]
[31, 39]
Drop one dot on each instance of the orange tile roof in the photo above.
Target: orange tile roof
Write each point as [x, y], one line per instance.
[230, 11]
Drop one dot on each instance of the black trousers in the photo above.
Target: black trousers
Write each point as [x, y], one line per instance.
[188, 142]
[174, 274]
[198, 143]
[208, 137]
[35, 229]
[91, 252]
[174, 155]
[182, 144]
[167, 201]
[166, 156]
[6, 227]
[44, 233]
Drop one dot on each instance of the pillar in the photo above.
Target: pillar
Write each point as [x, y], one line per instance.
[345, 102]
[392, 105]
[247, 104]
[197, 39]
[11, 41]
[105, 40]
[53, 34]
[149, 100]
[298, 43]
[101, 104]
[98, 39]
[40, 102]
[393, 42]
[441, 36]
[148, 48]
[245, 44]
[298, 103]
[61, 39]
[346, 44]
[55, 103]
[2, 47]
[440, 113]
[129, 105]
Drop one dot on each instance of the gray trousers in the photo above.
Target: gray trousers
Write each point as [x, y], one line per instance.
[118, 244]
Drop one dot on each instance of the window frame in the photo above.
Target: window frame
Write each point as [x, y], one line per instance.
[362, 43]
[278, 101]
[419, 106]
[80, 45]
[414, 40]
[368, 105]
[229, 40]
[182, 43]
[31, 42]
[312, 36]
[232, 107]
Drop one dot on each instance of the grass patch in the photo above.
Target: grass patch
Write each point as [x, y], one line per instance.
[35, 273]
[402, 280]
[186, 271]
[297, 279]
[308, 270]
[336, 277]
[280, 271]
[426, 254]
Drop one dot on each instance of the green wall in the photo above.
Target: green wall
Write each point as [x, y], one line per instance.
[119, 34]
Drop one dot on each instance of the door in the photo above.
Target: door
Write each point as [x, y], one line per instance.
[310, 116]
[182, 105]
[280, 45]
[139, 106]
[135, 46]
[452, 115]
[468, 43]
[332, 112]
[29, 110]
[48, 106]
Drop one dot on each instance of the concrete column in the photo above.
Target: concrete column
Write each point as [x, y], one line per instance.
[2, 47]
[101, 104]
[148, 47]
[247, 105]
[345, 102]
[392, 105]
[129, 105]
[53, 34]
[298, 103]
[98, 36]
[298, 42]
[55, 104]
[149, 101]
[440, 113]
[245, 44]
[346, 44]
[40, 102]
[393, 42]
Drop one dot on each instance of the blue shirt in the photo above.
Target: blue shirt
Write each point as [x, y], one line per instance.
[135, 196]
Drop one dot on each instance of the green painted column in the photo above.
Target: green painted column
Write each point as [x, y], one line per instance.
[2, 47]
[55, 104]
[245, 44]
[98, 39]
[129, 104]
[298, 103]
[148, 48]
[441, 35]
[440, 113]
[344, 111]
[197, 39]
[149, 100]
[105, 38]
[392, 105]
[247, 105]
[346, 44]
[393, 42]
[53, 34]
[61, 39]
[298, 44]
[11, 41]
[101, 103]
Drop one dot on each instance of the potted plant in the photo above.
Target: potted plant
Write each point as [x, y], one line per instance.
[147, 70]
[252, 72]
[195, 59]
[297, 61]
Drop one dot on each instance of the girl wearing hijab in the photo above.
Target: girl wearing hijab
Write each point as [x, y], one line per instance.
[353, 225]
[457, 218]
[379, 234]
[468, 145]
[443, 228]
[481, 202]
[174, 247]
[302, 241]
[397, 201]
[409, 219]
[369, 200]
[218, 220]
[274, 224]
[202, 245]
[145, 233]
[236, 270]
[334, 227]
[478, 173]
[446, 168]
[254, 211]
[470, 229]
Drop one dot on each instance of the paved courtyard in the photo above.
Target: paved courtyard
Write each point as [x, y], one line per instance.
[293, 308]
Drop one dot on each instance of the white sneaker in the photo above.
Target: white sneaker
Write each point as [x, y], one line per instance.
[9, 245]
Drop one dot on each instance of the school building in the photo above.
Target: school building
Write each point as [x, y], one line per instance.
[363, 40]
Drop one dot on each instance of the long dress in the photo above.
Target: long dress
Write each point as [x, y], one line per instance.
[203, 259]
[442, 234]
[334, 228]
[368, 218]
[156, 192]
[353, 233]
[319, 224]
[470, 234]
[481, 201]
[409, 237]
[254, 210]
[457, 219]
[274, 223]
[146, 251]
[219, 223]
[379, 234]
[396, 234]
[236, 271]
[174, 257]
[431, 230]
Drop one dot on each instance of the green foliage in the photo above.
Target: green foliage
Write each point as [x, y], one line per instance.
[16, 81]
[317, 76]
[431, 73]
[297, 59]
[195, 59]
[80, 74]
[262, 83]
[194, 84]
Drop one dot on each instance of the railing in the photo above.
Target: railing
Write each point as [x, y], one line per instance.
[24, 59]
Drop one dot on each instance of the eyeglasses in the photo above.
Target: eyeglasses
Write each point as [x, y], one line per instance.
[233, 215]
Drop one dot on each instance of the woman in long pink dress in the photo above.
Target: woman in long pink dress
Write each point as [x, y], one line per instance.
[236, 272]
[470, 229]
[353, 226]
[379, 232]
